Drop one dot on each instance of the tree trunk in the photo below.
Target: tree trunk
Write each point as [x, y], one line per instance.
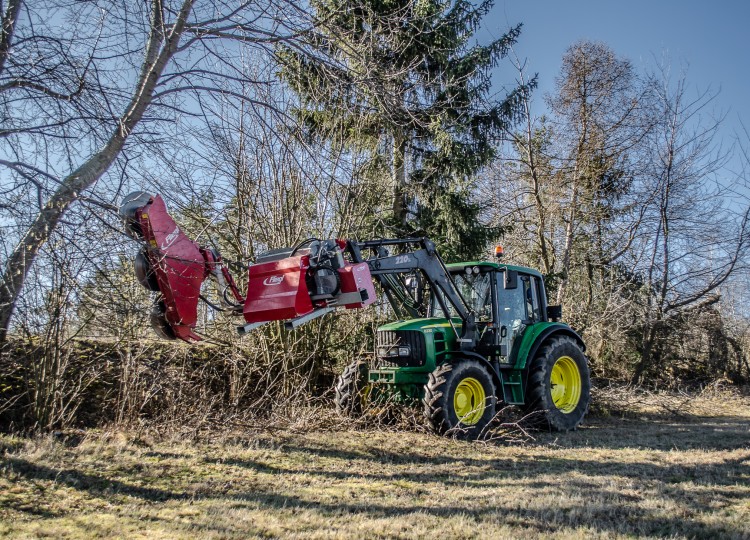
[9, 20]
[399, 181]
[648, 337]
[159, 51]
[568, 248]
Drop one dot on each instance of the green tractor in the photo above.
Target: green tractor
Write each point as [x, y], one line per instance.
[470, 337]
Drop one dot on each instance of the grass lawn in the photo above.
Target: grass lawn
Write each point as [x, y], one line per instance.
[659, 466]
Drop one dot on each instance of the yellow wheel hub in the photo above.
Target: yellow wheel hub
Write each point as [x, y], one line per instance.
[468, 401]
[565, 384]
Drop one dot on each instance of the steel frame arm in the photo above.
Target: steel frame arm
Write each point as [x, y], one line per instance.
[429, 262]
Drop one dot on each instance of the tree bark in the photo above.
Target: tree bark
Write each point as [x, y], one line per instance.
[399, 181]
[159, 50]
[568, 247]
[647, 343]
[10, 17]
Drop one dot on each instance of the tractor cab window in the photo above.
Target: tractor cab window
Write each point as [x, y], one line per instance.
[533, 302]
[512, 306]
[476, 289]
[518, 306]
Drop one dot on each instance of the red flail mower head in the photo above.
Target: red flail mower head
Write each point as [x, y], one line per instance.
[169, 263]
[289, 284]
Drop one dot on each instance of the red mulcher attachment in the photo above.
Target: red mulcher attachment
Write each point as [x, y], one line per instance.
[170, 263]
[296, 285]
[301, 287]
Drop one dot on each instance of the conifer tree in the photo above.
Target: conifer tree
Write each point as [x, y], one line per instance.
[406, 82]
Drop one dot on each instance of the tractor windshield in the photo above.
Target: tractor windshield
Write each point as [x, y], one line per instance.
[476, 290]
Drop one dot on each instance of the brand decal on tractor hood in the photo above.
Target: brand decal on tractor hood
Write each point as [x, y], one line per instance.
[273, 280]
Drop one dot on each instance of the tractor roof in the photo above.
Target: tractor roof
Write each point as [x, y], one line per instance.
[459, 267]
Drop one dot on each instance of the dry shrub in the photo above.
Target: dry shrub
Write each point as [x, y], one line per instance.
[270, 378]
[625, 401]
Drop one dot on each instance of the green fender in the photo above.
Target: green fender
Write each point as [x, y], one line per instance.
[466, 355]
[535, 335]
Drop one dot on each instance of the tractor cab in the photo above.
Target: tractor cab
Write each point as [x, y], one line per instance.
[505, 299]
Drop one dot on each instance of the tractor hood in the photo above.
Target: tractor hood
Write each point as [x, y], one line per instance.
[427, 325]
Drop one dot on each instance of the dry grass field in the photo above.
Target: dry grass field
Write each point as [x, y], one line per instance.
[650, 465]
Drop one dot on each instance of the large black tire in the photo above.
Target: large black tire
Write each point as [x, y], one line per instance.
[460, 399]
[351, 390]
[559, 385]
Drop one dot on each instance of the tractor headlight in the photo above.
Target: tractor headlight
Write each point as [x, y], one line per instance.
[394, 352]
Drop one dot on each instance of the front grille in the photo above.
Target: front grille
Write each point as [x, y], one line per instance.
[392, 340]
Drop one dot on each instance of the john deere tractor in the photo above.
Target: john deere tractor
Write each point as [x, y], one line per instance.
[470, 337]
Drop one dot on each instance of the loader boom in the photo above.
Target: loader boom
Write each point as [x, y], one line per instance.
[428, 261]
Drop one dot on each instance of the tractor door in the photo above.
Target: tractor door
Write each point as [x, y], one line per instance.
[483, 300]
[515, 311]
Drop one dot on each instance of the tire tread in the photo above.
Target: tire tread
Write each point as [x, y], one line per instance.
[538, 380]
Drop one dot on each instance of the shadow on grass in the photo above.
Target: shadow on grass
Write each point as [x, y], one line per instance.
[657, 432]
[615, 516]
[92, 483]
[584, 497]
[494, 473]
[610, 511]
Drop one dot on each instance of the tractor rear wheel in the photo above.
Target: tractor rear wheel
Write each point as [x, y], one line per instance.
[351, 390]
[459, 399]
[559, 386]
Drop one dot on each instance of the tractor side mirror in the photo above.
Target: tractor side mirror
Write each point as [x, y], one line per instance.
[511, 279]
[554, 313]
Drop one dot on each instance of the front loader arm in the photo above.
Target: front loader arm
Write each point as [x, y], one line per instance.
[428, 261]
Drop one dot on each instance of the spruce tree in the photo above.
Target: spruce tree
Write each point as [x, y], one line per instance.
[407, 82]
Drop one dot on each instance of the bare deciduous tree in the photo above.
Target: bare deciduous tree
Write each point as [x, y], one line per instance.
[104, 75]
[602, 113]
[694, 240]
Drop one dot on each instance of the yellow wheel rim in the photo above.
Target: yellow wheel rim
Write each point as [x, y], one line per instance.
[565, 384]
[468, 401]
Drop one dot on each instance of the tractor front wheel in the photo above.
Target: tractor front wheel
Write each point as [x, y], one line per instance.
[559, 386]
[351, 390]
[459, 399]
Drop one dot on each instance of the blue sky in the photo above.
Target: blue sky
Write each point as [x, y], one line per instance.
[710, 39]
